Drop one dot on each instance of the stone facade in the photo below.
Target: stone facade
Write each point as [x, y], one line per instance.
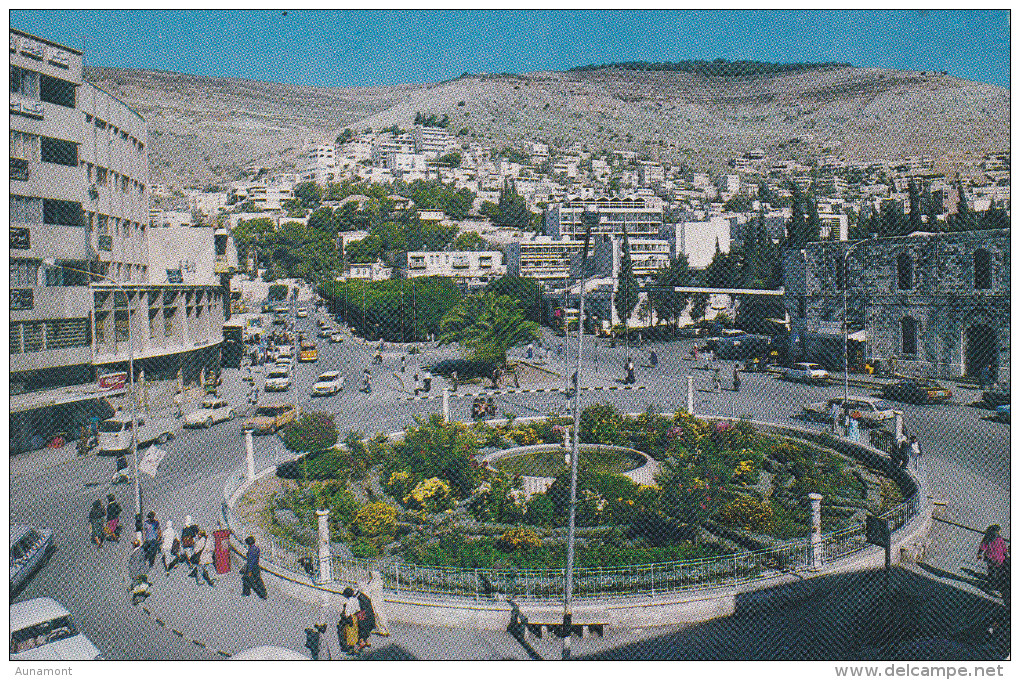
[932, 304]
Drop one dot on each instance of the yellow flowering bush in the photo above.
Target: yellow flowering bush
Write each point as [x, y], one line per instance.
[376, 518]
[524, 436]
[749, 513]
[430, 495]
[518, 538]
[744, 473]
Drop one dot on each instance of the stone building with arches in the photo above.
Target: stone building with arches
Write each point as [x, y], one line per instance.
[926, 304]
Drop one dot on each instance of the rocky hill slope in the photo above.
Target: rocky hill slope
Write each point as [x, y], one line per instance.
[208, 130]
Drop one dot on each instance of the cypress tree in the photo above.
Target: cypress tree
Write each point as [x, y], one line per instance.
[627, 290]
[798, 222]
[963, 216]
[813, 226]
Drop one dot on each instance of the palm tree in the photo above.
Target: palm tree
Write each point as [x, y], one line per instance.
[488, 325]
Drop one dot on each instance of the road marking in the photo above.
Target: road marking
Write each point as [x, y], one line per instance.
[464, 395]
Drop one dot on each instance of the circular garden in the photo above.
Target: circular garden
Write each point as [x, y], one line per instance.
[427, 498]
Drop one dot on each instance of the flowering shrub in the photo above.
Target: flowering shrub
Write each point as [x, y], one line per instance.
[376, 518]
[749, 513]
[601, 424]
[524, 436]
[430, 495]
[745, 472]
[498, 501]
[518, 538]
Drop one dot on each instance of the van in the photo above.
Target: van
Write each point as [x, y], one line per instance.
[115, 432]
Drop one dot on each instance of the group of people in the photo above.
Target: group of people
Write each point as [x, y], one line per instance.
[104, 522]
[360, 615]
[904, 449]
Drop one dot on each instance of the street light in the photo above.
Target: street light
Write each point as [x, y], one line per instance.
[50, 262]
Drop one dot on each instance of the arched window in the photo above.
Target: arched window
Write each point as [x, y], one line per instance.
[982, 269]
[904, 272]
[908, 335]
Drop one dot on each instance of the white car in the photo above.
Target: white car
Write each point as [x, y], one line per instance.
[302, 313]
[336, 338]
[806, 372]
[213, 411]
[278, 379]
[43, 630]
[115, 432]
[328, 383]
[871, 410]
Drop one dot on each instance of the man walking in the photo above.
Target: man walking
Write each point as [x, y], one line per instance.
[113, 511]
[915, 450]
[251, 573]
[152, 537]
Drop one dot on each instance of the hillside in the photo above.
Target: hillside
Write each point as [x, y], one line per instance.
[206, 130]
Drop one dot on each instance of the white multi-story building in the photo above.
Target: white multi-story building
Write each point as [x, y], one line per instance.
[433, 141]
[650, 173]
[190, 254]
[640, 216]
[698, 240]
[322, 155]
[374, 271]
[541, 258]
[269, 198]
[404, 162]
[207, 203]
[729, 184]
[472, 269]
[647, 257]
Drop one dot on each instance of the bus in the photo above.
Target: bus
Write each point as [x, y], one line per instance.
[308, 352]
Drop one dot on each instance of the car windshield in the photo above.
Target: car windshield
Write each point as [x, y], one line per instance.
[883, 406]
[40, 634]
[113, 426]
[277, 374]
[326, 377]
[211, 404]
[270, 411]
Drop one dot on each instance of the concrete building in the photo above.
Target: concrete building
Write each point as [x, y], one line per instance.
[698, 240]
[196, 255]
[541, 258]
[208, 204]
[927, 304]
[650, 173]
[433, 141]
[374, 271]
[641, 216]
[647, 257]
[78, 199]
[471, 269]
[729, 184]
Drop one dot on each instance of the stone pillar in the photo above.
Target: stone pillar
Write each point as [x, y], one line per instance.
[690, 394]
[446, 404]
[816, 530]
[325, 558]
[898, 430]
[249, 447]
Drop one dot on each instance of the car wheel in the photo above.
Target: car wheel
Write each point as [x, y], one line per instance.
[208, 422]
[163, 438]
[230, 415]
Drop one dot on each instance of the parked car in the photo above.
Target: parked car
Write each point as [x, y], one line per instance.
[302, 313]
[43, 630]
[212, 411]
[326, 331]
[270, 418]
[336, 338]
[115, 432]
[916, 391]
[278, 379]
[805, 372]
[328, 383]
[996, 397]
[872, 410]
[30, 548]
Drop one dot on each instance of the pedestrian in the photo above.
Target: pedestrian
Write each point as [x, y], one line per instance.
[426, 381]
[531, 350]
[96, 516]
[170, 547]
[559, 350]
[347, 627]
[366, 381]
[417, 384]
[716, 381]
[251, 572]
[152, 537]
[736, 378]
[900, 452]
[178, 404]
[204, 551]
[453, 379]
[121, 475]
[986, 377]
[188, 534]
[853, 430]
[403, 364]
[653, 359]
[113, 511]
[372, 589]
[630, 371]
[915, 450]
[366, 621]
[495, 378]
[994, 551]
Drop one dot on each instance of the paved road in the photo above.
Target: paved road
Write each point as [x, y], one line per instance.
[966, 459]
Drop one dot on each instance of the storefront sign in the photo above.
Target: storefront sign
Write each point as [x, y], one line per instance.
[112, 381]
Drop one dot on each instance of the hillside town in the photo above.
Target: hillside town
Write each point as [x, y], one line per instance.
[354, 307]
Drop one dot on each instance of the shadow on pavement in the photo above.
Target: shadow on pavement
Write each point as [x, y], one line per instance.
[841, 617]
[390, 652]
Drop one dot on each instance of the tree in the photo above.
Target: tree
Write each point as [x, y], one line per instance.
[368, 249]
[488, 325]
[668, 303]
[813, 225]
[313, 432]
[798, 221]
[511, 211]
[914, 220]
[322, 219]
[451, 159]
[469, 240]
[964, 220]
[627, 289]
[309, 193]
[490, 210]
[344, 137]
[526, 292]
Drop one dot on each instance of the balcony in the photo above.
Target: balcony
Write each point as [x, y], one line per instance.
[22, 299]
[21, 238]
[19, 170]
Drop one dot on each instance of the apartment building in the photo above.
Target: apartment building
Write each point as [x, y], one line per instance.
[433, 141]
[647, 257]
[698, 240]
[541, 258]
[373, 271]
[641, 216]
[650, 173]
[471, 269]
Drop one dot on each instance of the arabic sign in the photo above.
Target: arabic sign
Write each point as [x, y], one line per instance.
[109, 382]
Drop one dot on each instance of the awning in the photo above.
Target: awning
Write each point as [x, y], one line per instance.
[859, 336]
[57, 397]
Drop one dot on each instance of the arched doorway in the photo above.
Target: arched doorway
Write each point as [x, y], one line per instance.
[982, 350]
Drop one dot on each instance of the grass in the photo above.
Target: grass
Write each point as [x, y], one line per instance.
[551, 463]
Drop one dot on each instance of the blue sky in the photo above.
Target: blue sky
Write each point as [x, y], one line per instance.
[353, 48]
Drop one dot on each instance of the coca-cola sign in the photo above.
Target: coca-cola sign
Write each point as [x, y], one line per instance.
[112, 381]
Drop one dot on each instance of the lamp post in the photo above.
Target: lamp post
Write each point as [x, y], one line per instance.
[49, 262]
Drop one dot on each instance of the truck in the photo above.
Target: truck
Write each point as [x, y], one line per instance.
[115, 432]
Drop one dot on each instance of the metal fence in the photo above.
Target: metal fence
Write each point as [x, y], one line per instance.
[592, 582]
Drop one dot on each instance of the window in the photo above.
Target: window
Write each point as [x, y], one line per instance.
[67, 213]
[24, 82]
[802, 306]
[120, 324]
[982, 269]
[24, 273]
[904, 272]
[101, 176]
[33, 336]
[59, 151]
[56, 91]
[65, 333]
[908, 335]
[25, 146]
[15, 336]
[26, 209]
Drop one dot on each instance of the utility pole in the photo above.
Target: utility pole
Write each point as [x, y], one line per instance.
[590, 218]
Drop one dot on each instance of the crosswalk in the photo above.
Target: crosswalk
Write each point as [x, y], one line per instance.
[558, 390]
